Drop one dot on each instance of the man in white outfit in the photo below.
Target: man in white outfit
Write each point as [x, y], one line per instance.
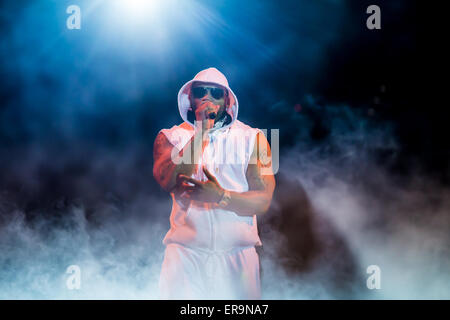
[218, 171]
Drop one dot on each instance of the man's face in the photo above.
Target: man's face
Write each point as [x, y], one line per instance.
[208, 97]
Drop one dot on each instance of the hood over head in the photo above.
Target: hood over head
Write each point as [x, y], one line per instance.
[210, 75]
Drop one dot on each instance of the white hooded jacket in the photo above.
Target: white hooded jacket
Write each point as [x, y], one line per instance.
[205, 225]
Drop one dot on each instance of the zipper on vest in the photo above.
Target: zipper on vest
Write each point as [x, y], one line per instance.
[209, 213]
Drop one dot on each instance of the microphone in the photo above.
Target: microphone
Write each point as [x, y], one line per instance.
[212, 115]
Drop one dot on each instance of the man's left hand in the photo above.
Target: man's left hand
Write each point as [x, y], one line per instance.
[206, 191]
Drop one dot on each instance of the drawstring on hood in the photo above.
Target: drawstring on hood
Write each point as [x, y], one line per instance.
[210, 75]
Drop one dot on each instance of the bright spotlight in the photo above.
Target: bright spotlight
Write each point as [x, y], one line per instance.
[138, 8]
[153, 25]
[138, 12]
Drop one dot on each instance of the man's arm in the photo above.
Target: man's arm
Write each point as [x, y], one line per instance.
[260, 180]
[167, 163]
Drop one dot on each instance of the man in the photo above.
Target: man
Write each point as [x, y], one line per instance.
[218, 172]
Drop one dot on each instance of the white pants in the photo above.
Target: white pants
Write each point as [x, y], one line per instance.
[189, 273]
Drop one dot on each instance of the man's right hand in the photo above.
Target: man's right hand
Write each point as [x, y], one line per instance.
[202, 112]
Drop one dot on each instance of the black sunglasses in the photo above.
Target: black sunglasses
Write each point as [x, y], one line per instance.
[200, 92]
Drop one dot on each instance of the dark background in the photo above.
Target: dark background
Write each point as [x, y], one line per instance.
[107, 88]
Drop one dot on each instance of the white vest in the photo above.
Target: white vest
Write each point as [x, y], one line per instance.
[206, 225]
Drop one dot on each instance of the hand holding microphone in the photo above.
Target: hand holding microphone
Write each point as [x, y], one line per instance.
[205, 114]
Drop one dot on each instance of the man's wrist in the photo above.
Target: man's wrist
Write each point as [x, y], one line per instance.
[220, 194]
[225, 199]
